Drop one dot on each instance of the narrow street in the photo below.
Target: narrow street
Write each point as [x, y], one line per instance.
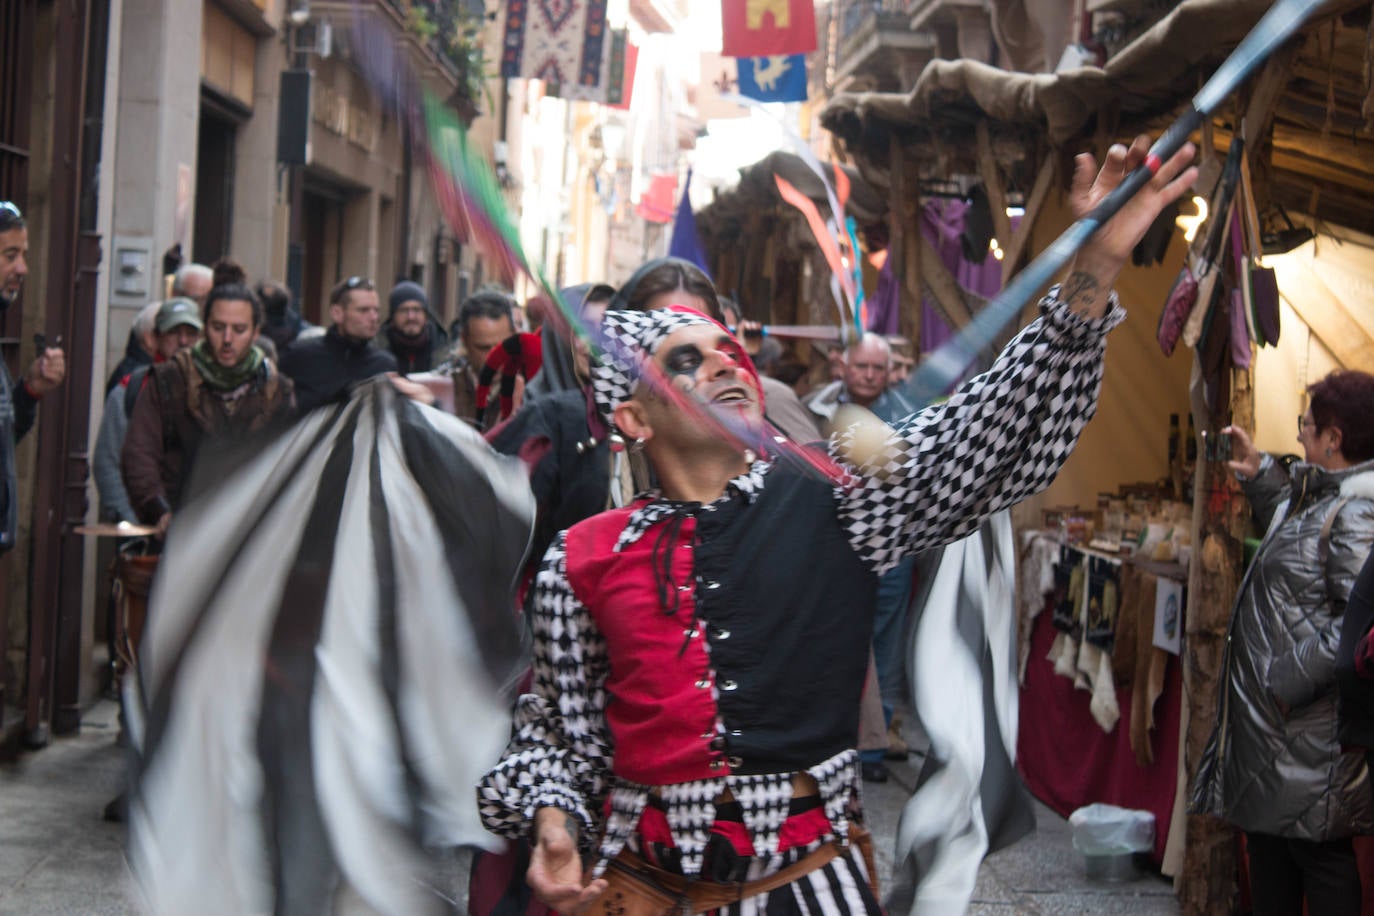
[58, 857]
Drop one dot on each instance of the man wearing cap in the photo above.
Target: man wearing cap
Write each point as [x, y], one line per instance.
[411, 333]
[740, 594]
[18, 405]
[176, 325]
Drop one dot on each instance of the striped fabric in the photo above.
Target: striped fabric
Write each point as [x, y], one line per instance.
[969, 801]
[328, 665]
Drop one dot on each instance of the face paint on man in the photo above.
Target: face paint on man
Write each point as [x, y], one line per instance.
[709, 365]
[681, 365]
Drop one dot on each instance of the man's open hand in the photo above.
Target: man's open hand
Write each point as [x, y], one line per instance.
[555, 872]
[1101, 258]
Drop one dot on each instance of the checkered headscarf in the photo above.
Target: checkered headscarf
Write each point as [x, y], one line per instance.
[627, 339]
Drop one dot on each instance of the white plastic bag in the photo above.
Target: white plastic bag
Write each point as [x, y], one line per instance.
[1106, 830]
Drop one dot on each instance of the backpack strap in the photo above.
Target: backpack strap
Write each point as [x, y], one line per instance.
[133, 387]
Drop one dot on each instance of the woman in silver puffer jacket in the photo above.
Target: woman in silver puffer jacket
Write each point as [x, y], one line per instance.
[1274, 766]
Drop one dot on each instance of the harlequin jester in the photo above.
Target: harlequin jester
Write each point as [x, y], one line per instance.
[699, 654]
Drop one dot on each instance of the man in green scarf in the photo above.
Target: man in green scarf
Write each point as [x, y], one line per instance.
[221, 386]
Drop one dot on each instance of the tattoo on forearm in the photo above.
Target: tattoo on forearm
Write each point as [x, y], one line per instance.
[570, 824]
[1079, 291]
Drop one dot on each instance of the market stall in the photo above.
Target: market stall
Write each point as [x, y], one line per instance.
[1100, 679]
[1009, 131]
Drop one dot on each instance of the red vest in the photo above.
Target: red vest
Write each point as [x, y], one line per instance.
[659, 704]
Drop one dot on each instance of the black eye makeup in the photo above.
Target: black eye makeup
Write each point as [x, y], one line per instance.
[731, 347]
[684, 359]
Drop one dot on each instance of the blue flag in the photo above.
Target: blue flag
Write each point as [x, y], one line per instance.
[781, 78]
[686, 244]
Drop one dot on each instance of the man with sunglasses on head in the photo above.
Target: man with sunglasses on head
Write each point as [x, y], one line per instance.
[18, 405]
[324, 367]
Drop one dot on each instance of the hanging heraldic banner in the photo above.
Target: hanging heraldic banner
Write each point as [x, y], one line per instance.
[780, 78]
[605, 83]
[563, 42]
[624, 64]
[763, 28]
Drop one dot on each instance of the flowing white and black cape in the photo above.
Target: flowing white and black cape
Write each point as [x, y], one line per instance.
[325, 672]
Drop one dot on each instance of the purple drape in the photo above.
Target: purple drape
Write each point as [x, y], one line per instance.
[942, 223]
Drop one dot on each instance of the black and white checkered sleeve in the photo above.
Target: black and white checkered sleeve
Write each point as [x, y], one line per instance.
[1001, 437]
[559, 754]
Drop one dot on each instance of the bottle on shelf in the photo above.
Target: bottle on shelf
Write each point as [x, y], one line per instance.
[1175, 458]
[1190, 460]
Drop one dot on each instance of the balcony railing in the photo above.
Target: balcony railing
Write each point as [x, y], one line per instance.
[858, 17]
[877, 47]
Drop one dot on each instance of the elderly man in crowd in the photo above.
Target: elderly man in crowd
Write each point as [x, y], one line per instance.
[176, 326]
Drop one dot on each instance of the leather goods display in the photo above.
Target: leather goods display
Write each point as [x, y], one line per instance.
[1182, 297]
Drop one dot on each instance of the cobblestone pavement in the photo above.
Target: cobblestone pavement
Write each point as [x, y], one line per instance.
[58, 857]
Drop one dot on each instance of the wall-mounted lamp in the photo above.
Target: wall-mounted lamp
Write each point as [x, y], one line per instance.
[1189, 224]
[298, 12]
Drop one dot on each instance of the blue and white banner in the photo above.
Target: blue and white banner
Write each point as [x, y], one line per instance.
[781, 78]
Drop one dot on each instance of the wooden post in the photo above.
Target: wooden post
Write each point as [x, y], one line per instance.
[993, 184]
[1221, 516]
[905, 243]
[951, 298]
[1020, 239]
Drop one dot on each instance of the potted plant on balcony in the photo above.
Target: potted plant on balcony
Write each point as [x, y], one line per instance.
[452, 29]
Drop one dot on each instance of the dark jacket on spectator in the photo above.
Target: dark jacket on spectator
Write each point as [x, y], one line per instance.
[134, 356]
[324, 367]
[419, 354]
[283, 329]
[17, 411]
[570, 470]
[1356, 689]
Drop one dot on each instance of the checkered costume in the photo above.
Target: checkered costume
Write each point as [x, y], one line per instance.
[1000, 438]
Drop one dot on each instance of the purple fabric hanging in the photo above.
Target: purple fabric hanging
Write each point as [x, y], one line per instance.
[942, 223]
[1240, 332]
[885, 306]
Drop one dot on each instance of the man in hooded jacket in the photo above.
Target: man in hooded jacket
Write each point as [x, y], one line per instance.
[411, 333]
